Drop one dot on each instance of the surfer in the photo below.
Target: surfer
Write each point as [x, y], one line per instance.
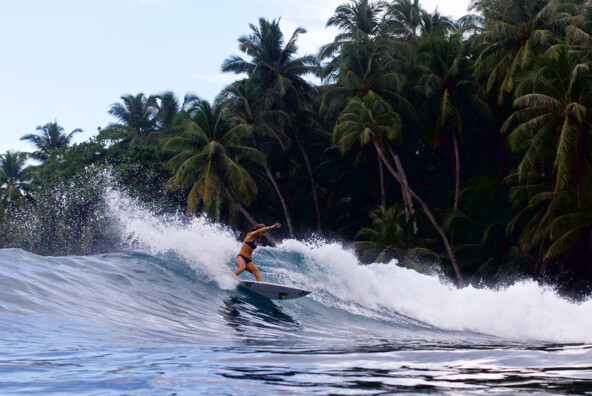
[243, 260]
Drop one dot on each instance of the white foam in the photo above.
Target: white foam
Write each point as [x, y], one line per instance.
[524, 311]
[206, 246]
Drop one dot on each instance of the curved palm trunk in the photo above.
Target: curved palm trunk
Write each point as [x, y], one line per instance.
[285, 207]
[428, 213]
[244, 212]
[282, 200]
[382, 186]
[409, 208]
[312, 183]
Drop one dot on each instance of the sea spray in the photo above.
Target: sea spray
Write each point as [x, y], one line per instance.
[206, 246]
[522, 311]
[68, 218]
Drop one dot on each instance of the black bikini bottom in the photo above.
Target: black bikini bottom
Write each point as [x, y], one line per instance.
[247, 261]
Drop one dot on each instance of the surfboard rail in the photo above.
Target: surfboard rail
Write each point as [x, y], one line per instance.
[273, 291]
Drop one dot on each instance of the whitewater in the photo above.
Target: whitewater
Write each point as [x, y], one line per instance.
[165, 316]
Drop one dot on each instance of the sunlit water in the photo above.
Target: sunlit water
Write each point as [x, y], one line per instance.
[167, 318]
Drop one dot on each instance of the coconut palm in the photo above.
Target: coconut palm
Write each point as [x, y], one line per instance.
[372, 121]
[437, 24]
[50, 136]
[538, 208]
[15, 177]
[515, 32]
[449, 92]
[356, 19]
[570, 229]
[389, 236]
[367, 67]
[207, 158]
[552, 122]
[279, 74]
[406, 18]
[136, 115]
[244, 100]
[272, 64]
[167, 109]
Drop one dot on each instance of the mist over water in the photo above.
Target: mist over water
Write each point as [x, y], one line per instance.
[166, 316]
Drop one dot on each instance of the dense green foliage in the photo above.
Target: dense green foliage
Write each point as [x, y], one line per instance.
[462, 142]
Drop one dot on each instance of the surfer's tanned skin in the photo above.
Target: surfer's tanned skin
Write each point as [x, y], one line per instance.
[243, 260]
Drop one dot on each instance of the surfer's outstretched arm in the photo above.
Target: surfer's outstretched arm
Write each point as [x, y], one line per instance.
[259, 232]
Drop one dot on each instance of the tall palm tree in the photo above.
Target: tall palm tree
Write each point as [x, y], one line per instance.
[356, 19]
[207, 158]
[137, 115]
[437, 24]
[244, 100]
[448, 90]
[406, 19]
[50, 135]
[371, 120]
[367, 67]
[279, 74]
[167, 107]
[515, 32]
[552, 125]
[568, 229]
[15, 177]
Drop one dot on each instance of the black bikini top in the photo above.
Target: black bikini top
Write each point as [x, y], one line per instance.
[251, 244]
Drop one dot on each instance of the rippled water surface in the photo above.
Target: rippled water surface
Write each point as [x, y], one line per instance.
[168, 319]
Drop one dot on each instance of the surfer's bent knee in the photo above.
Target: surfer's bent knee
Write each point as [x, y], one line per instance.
[240, 263]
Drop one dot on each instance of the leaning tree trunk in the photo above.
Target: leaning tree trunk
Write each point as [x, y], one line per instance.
[409, 208]
[282, 200]
[428, 213]
[280, 196]
[312, 182]
[245, 213]
[382, 185]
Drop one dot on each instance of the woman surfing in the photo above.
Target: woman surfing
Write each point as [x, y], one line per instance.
[243, 260]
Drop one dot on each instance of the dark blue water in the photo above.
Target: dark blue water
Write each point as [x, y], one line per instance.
[168, 319]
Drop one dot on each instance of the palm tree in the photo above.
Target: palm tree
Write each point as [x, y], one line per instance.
[244, 100]
[50, 135]
[569, 229]
[515, 32]
[437, 24]
[371, 120]
[15, 177]
[356, 19]
[552, 124]
[389, 236]
[137, 115]
[367, 67]
[406, 18]
[444, 84]
[275, 70]
[207, 159]
[167, 109]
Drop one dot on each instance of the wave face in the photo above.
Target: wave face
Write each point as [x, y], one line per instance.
[175, 289]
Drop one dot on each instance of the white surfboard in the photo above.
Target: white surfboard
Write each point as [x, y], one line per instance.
[273, 291]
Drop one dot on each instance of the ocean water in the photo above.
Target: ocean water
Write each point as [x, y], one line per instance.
[166, 317]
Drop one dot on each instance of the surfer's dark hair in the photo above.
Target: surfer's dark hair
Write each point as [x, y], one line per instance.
[258, 226]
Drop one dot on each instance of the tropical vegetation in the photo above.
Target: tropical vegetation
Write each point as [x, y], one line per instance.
[465, 143]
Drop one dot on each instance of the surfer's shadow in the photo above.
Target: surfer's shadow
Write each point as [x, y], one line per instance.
[248, 310]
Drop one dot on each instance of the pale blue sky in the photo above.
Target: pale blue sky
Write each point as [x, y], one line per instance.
[71, 59]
